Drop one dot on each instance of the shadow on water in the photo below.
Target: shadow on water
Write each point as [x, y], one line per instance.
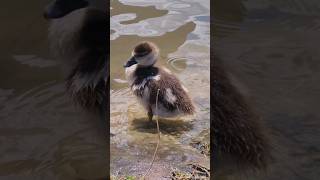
[121, 53]
[167, 126]
[140, 13]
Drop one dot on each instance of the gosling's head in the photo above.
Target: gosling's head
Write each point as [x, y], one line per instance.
[144, 54]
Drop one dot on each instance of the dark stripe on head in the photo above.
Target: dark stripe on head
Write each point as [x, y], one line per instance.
[143, 49]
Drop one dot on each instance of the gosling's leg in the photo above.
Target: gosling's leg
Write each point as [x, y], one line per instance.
[150, 114]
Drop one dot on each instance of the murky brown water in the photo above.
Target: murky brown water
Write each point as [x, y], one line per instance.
[275, 55]
[42, 134]
[181, 30]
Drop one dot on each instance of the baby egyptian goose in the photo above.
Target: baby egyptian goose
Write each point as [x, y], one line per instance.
[77, 35]
[77, 39]
[154, 85]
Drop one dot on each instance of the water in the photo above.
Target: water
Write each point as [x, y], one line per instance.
[181, 30]
[275, 54]
[42, 135]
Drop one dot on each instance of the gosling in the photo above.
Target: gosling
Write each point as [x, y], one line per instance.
[157, 89]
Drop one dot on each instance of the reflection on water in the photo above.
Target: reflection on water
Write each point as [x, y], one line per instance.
[42, 134]
[181, 30]
[275, 53]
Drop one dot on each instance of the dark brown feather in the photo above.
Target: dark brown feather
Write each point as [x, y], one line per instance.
[183, 103]
[142, 49]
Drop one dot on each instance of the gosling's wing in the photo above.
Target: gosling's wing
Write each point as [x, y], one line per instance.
[171, 93]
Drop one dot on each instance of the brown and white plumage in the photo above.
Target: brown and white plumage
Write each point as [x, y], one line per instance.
[145, 80]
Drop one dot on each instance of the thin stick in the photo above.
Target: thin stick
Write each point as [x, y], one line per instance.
[156, 150]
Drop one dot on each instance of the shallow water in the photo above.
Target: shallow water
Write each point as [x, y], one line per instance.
[42, 134]
[181, 30]
[275, 54]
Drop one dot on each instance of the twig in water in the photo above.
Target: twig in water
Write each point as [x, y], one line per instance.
[156, 150]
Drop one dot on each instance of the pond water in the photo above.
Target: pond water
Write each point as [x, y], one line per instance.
[181, 30]
[272, 48]
[42, 134]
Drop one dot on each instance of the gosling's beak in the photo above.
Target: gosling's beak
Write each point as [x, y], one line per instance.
[130, 62]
